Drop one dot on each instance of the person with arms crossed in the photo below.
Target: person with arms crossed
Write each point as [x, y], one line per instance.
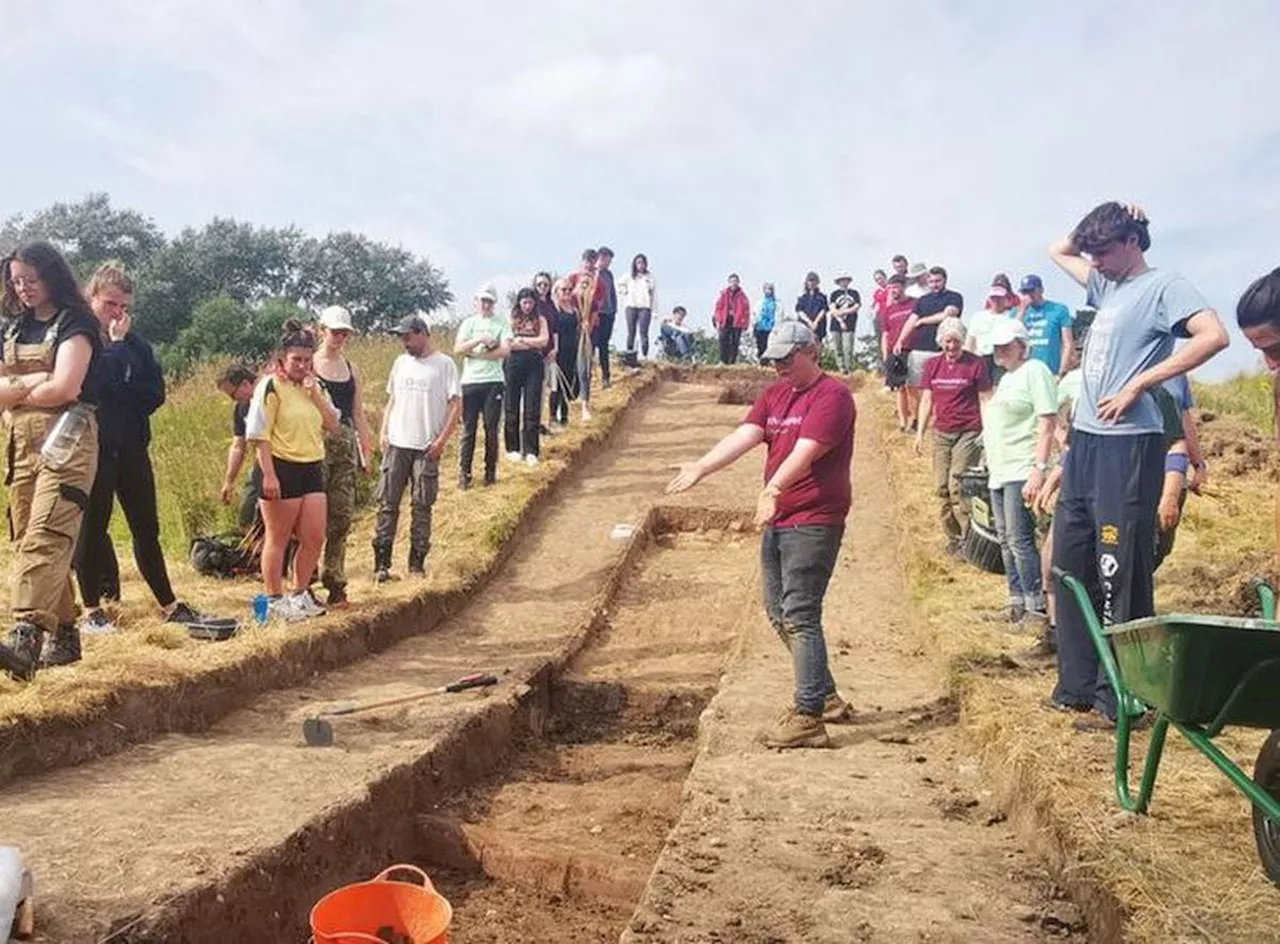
[424, 401]
[49, 391]
[483, 341]
[806, 421]
[845, 302]
[1105, 519]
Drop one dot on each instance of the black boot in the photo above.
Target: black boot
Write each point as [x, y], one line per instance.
[20, 652]
[417, 563]
[381, 563]
[61, 647]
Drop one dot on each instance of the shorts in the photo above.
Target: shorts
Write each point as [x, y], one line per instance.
[299, 478]
[915, 366]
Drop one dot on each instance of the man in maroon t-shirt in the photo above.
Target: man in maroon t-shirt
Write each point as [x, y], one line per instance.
[949, 390]
[806, 420]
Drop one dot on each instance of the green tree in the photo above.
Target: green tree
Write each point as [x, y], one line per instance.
[88, 232]
[377, 282]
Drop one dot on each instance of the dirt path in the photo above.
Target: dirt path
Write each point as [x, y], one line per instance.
[887, 837]
[114, 839]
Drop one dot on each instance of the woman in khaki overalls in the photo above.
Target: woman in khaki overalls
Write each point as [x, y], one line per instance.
[51, 341]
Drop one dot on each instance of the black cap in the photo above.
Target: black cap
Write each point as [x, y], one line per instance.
[411, 324]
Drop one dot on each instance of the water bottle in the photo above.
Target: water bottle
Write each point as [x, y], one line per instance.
[15, 887]
[260, 603]
[60, 445]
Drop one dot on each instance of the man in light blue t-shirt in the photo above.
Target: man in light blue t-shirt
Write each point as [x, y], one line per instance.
[1105, 520]
[1048, 327]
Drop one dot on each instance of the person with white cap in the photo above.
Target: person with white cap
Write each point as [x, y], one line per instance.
[844, 302]
[806, 420]
[424, 401]
[483, 341]
[999, 308]
[1017, 434]
[917, 280]
[346, 449]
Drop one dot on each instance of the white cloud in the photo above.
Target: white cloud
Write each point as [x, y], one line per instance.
[751, 136]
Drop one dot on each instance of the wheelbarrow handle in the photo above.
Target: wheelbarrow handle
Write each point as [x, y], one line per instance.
[1266, 596]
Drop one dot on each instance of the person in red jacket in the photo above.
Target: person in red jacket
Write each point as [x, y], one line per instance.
[733, 314]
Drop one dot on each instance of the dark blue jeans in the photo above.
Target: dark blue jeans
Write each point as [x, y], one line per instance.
[1016, 530]
[1104, 535]
[796, 564]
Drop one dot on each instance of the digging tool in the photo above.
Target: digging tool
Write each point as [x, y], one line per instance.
[318, 732]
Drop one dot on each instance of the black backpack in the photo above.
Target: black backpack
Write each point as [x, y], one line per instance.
[223, 555]
[895, 371]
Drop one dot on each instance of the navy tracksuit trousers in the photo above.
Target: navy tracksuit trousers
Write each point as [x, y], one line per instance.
[1104, 534]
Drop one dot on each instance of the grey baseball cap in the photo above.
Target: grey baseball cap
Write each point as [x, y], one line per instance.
[785, 338]
[410, 324]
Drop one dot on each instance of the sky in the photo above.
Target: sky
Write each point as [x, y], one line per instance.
[762, 138]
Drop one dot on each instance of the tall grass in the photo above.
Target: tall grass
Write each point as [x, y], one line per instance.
[1251, 397]
[192, 432]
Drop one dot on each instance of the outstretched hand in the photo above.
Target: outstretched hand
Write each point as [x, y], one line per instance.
[688, 475]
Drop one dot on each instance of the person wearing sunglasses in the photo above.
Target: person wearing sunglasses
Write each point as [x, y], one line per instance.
[806, 422]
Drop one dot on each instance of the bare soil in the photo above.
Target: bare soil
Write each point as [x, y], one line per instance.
[892, 835]
[622, 737]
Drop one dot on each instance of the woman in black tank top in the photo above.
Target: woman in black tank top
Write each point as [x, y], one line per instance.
[346, 450]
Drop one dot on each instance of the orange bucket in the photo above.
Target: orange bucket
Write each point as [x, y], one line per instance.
[356, 913]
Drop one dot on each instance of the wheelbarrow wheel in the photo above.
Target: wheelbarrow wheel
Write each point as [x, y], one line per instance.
[1266, 773]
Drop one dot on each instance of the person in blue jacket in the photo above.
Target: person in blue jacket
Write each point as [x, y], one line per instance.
[766, 319]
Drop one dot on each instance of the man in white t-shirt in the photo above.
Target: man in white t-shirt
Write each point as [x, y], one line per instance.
[424, 401]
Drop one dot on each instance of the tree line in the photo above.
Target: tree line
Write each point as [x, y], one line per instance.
[225, 288]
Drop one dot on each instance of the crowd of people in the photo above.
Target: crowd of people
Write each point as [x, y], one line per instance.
[80, 384]
[1082, 423]
[833, 318]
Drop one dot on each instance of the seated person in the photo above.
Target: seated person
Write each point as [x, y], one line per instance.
[677, 340]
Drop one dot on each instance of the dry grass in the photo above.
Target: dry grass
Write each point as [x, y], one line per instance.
[469, 529]
[1187, 872]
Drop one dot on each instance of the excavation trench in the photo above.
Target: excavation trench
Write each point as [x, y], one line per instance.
[560, 844]
[540, 816]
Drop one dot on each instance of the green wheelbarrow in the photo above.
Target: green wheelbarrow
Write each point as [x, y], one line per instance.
[1199, 674]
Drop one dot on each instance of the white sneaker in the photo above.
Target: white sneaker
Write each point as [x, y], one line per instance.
[513, 457]
[306, 604]
[285, 608]
[531, 461]
[97, 623]
[586, 413]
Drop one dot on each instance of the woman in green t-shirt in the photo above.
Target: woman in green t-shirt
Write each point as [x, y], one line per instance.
[483, 340]
[1017, 431]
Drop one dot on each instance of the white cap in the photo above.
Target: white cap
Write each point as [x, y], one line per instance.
[1008, 331]
[487, 291]
[336, 318]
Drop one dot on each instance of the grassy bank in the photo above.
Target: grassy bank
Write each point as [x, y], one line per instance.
[1188, 871]
[469, 530]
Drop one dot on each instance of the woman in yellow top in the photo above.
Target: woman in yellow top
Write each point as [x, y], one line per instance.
[287, 421]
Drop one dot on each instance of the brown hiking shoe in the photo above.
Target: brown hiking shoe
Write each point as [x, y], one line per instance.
[835, 710]
[794, 729]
